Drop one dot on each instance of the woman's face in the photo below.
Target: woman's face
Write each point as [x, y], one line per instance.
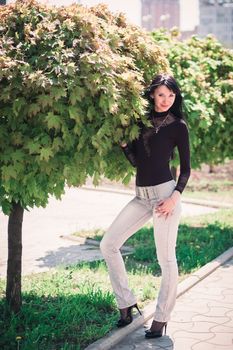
[163, 98]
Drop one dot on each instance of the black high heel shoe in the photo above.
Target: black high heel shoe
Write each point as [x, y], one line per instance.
[126, 316]
[158, 330]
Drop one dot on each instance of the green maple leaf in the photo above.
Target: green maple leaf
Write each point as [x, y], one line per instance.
[18, 155]
[77, 94]
[46, 153]
[53, 121]
[91, 112]
[58, 92]
[134, 132]
[33, 109]
[45, 100]
[33, 147]
[8, 172]
[74, 113]
[18, 104]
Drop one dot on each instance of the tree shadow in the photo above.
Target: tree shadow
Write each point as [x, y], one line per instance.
[72, 254]
[72, 321]
[229, 262]
[162, 343]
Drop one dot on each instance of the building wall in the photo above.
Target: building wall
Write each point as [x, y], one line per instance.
[160, 13]
[216, 17]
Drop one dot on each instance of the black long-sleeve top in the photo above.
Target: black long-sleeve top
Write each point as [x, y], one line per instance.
[152, 151]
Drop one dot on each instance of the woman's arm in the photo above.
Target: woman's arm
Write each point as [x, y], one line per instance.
[184, 155]
[167, 206]
[130, 153]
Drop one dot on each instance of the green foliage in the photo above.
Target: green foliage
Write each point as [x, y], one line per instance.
[71, 81]
[203, 68]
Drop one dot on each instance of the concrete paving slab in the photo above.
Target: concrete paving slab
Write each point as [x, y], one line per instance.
[210, 346]
[208, 328]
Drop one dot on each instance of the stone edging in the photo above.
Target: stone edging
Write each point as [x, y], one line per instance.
[116, 336]
[89, 241]
[204, 202]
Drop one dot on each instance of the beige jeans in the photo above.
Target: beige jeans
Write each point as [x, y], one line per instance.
[132, 217]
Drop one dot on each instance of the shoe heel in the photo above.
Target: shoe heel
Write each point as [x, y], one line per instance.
[136, 306]
[128, 318]
[165, 329]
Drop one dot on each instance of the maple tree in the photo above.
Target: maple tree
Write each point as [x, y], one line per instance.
[204, 69]
[71, 82]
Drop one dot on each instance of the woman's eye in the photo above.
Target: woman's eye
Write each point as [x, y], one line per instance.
[161, 95]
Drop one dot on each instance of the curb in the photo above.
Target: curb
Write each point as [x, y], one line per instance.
[89, 241]
[114, 337]
[203, 202]
[206, 203]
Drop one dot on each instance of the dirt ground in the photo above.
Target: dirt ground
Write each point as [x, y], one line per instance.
[217, 172]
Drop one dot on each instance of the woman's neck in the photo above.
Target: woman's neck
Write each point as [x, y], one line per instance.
[157, 114]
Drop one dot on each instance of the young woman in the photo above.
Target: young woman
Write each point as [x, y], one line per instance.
[157, 196]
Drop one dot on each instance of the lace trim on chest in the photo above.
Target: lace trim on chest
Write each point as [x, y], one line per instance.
[163, 121]
[157, 123]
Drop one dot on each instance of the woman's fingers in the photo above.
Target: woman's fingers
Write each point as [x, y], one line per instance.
[165, 207]
[159, 206]
[166, 214]
[160, 203]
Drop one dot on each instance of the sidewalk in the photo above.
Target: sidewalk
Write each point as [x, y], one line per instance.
[202, 318]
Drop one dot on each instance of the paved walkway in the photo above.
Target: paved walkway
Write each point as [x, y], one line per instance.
[202, 318]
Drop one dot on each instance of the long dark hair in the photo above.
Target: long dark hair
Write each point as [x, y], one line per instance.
[170, 82]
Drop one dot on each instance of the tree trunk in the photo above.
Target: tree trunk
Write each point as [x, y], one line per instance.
[211, 168]
[14, 263]
[174, 172]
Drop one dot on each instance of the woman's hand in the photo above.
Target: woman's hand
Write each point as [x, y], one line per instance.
[123, 144]
[167, 206]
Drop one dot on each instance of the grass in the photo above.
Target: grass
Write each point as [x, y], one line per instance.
[71, 307]
[58, 312]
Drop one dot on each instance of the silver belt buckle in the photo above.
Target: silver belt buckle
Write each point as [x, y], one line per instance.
[143, 193]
